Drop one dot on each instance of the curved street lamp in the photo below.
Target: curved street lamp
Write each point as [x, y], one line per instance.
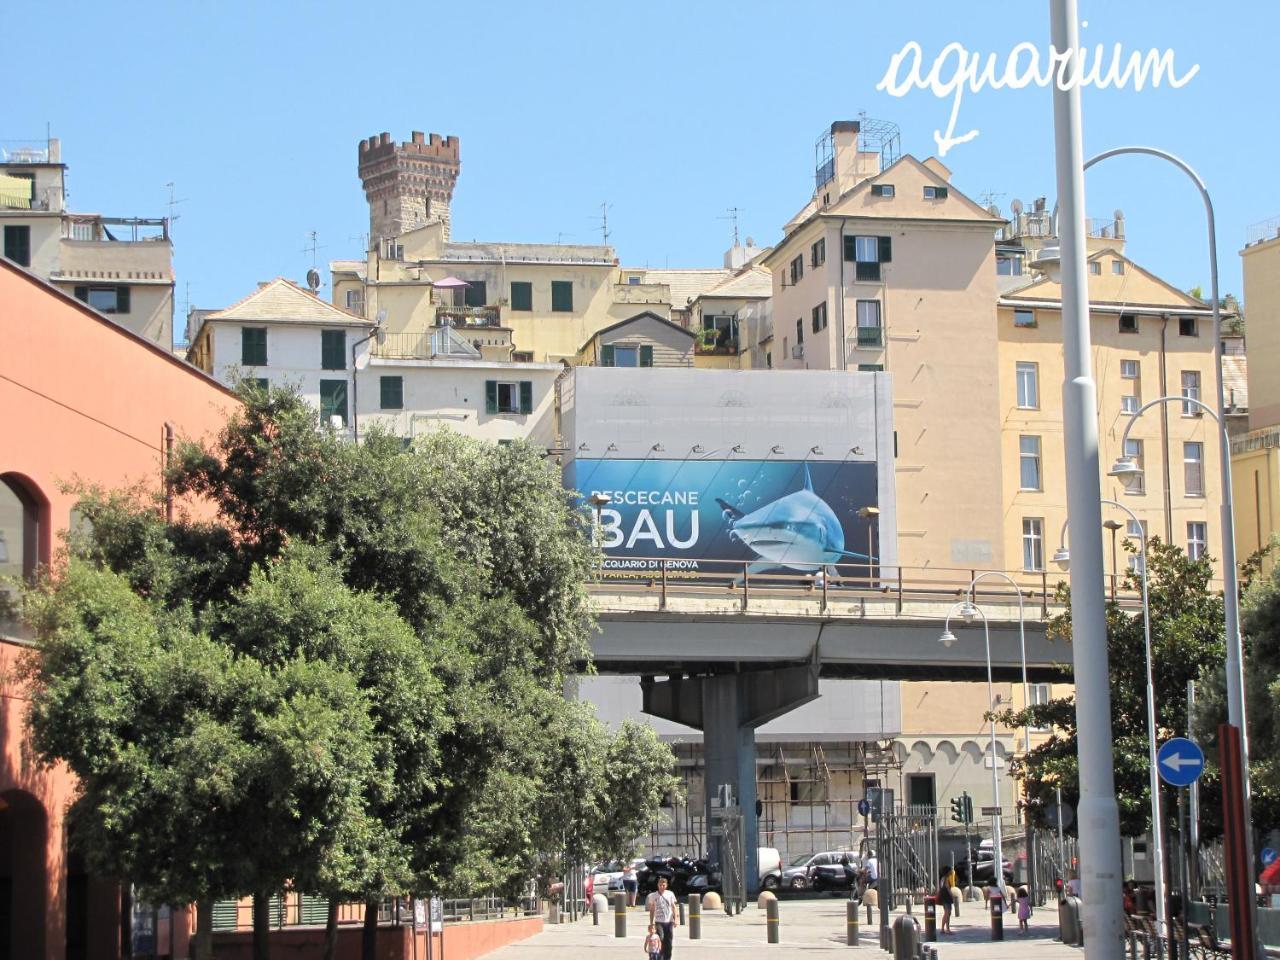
[969, 610]
[1062, 556]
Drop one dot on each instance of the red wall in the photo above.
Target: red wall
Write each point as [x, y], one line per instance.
[462, 941]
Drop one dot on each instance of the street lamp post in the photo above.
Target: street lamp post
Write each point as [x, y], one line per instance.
[1236, 711]
[871, 515]
[968, 609]
[1157, 822]
[1113, 526]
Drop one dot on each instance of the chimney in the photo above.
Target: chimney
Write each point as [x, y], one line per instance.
[844, 146]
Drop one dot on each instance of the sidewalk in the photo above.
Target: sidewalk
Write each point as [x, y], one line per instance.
[807, 926]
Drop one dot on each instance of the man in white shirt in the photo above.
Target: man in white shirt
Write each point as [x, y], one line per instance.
[664, 914]
[872, 866]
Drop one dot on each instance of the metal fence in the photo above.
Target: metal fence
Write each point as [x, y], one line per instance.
[288, 910]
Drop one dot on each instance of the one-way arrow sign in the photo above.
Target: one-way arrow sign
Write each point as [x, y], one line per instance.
[1180, 762]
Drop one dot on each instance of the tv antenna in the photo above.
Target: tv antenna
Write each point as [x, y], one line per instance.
[173, 202]
[604, 223]
[732, 214]
[364, 241]
[990, 197]
[312, 247]
[560, 237]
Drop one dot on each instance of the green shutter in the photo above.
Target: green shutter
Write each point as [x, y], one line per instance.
[333, 349]
[562, 296]
[82, 294]
[475, 294]
[886, 249]
[850, 249]
[122, 299]
[333, 400]
[253, 346]
[526, 396]
[521, 295]
[315, 910]
[646, 355]
[491, 396]
[606, 355]
[392, 393]
[225, 915]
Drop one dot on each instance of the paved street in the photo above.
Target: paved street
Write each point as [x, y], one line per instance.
[807, 926]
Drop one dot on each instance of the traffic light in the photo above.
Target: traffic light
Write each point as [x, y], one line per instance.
[962, 808]
[968, 808]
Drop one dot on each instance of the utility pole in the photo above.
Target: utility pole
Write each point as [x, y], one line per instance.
[604, 223]
[173, 202]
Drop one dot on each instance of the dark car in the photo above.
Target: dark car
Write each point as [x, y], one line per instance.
[983, 870]
[796, 875]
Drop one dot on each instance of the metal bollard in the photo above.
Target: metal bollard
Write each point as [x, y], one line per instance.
[595, 912]
[931, 918]
[906, 937]
[851, 923]
[772, 921]
[619, 914]
[869, 917]
[553, 913]
[695, 916]
[1075, 924]
[680, 903]
[997, 915]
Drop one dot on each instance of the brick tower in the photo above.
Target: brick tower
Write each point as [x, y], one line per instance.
[408, 184]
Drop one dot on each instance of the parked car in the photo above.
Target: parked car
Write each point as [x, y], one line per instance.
[982, 869]
[843, 873]
[606, 877]
[769, 862]
[796, 874]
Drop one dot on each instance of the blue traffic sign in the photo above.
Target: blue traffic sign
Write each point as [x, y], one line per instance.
[1268, 856]
[864, 806]
[1180, 762]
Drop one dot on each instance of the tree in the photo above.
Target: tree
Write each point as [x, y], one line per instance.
[639, 777]
[1186, 634]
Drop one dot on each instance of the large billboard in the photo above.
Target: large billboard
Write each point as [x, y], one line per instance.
[780, 516]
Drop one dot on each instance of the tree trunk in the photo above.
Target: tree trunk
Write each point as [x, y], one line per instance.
[202, 945]
[369, 936]
[262, 926]
[331, 930]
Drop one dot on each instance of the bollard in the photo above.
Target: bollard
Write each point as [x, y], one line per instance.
[772, 921]
[851, 923]
[997, 917]
[906, 937]
[931, 918]
[695, 916]
[553, 914]
[619, 914]
[680, 903]
[1075, 922]
[595, 912]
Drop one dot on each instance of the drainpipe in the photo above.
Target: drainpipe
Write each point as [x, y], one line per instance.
[844, 360]
[168, 465]
[355, 385]
[1164, 430]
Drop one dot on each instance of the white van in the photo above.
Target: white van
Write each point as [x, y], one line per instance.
[769, 861]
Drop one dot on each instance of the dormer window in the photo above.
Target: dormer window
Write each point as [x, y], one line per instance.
[935, 193]
[1095, 267]
[1117, 267]
[1187, 327]
[882, 190]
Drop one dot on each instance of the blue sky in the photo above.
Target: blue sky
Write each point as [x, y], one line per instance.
[670, 112]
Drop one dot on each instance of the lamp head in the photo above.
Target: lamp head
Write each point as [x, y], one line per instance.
[1126, 470]
[599, 500]
[866, 513]
[968, 611]
[1112, 525]
[947, 638]
[1062, 557]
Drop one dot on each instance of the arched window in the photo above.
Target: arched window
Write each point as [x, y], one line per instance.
[19, 529]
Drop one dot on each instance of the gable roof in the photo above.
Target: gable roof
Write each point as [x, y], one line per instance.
[685, 284]
[283, 300]
[751, 281]
[647, 314]
[1109, 288]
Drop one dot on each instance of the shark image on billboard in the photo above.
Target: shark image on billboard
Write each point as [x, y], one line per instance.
[732, 516]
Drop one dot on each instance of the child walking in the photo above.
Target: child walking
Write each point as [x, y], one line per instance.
[653, 943]
[1024, 909]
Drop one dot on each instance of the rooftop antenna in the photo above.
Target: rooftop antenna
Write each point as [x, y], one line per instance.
[364, 241]
[990, 197]
[732, 214]
[560, 237]
[604, 223]
[312, 247]
[173, 202]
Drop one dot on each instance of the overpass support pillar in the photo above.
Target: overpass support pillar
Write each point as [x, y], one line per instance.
[727, 708]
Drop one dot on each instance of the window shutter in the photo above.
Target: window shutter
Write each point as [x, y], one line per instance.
[333, 349]
[491, 396]
[886, 249]
[646, 355]
[850, 249]
[526, 396]
[606, 355]
[392, 389]
[82, 294]
[122, 299]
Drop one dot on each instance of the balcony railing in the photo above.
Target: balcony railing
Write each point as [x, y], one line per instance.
[728, 348]
[469, 316]
[870, 337]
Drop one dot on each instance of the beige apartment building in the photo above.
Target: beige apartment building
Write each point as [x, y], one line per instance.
[121, 266]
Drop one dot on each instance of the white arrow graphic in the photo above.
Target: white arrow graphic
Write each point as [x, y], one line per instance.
[1177, 761]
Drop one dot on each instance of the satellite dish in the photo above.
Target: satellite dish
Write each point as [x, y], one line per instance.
[381, 318]
[994, 210]
[1016, 206]
[313, 279]
[362, 360]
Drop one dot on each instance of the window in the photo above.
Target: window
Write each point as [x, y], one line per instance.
[920, 790]
[1197, 539]
[1133, 450]
[797, 270]
[623, 355]
[521, 295]
[392, 250]
[1028, 375]
[1039, 694]
[561, 296]
[1032, 544]
[809, 791]
[1137, 532]
[475, 294]
[1029, 462]
[1117, 267]
[333, 401]
[1191, 391]
[522, 356]
[870, 331]
[1129, 369]
[867, 254]
[105, 299]
[800, 331]
[17, 244]
[935, 193]
[1129, 404]
[508, 397]
[1187, 327]
[1193, 468]
[1024, 318]
[871, 368]
[1095, 267]
[1008, 265]
[333, 349]
[818, 252]
[355, 301]
[819, 317]
[261, 384]
[1128, 323]
[633, 280]
[391, 393]
[253, 346]
[882, 190]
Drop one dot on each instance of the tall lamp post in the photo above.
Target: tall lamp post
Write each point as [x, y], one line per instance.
[1157, 823]
[968, 609]
[1236, 712]
[871, 515]
[1113, 526]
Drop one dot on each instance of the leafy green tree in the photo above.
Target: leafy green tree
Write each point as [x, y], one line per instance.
[639, 774]
[1186, 635]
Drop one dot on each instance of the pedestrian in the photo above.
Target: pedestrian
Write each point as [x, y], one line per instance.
[663, 915]
[653, 944]
[871, 867]
[629, 882]
[944, 900]
[1024, 910]
[1073, 885]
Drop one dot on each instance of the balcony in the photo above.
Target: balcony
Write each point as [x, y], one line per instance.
[797, 352]
[641, 293]
[870, 337]
[716, 342]
[469, 316]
